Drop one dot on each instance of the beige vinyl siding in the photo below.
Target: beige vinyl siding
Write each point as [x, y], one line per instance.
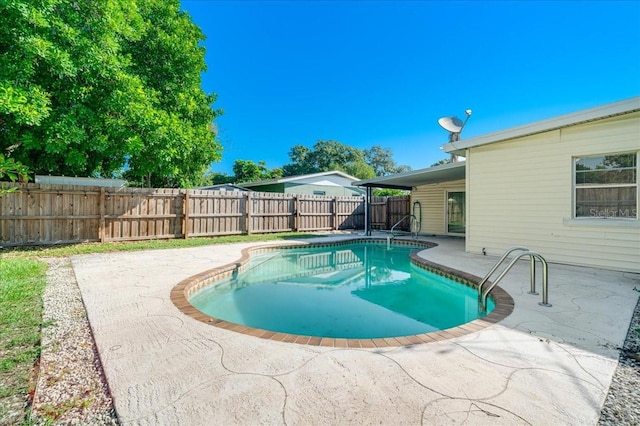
[520, 192]
[433, 200]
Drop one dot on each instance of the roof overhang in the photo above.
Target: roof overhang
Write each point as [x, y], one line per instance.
[415, 178]
[297, 178]
[598, 113]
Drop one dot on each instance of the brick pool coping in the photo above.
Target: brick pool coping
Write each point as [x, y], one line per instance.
[180, 297]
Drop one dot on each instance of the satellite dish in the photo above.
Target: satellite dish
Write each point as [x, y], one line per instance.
[451, 124]
[454, 126]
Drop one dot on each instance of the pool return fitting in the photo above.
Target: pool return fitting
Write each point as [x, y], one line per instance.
[484, 293]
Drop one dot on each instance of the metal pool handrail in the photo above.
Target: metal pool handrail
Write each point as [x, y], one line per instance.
[482, 295]
[398, 223]
[497, 265]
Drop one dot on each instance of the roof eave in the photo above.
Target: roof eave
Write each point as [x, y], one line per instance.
[298, 177]
[626, 106]
[419, 177]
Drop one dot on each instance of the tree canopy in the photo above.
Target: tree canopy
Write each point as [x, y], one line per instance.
[332, 155]
[441, 162]
[99, 88]
[248, 171]
[13, 171]
[381, 160]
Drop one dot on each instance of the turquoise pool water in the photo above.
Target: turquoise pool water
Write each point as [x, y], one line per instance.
[358, 291]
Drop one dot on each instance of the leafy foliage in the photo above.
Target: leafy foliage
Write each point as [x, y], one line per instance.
[608, 169]
[216, 178]
[332, 155]
[12, 170]
[248, 171]
[87, 88]
[441, 162]
[381, 160]
[389, 192]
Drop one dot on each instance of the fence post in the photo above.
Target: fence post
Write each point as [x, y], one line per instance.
[102, 225]
[387, 213]
[185, 213]
[247, 213]
[296, 211]
[335, 213]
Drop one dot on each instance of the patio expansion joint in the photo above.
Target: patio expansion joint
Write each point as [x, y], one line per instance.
[201, 387]
[552, 314]
[444, 396]
[517, 369]
[477, 404]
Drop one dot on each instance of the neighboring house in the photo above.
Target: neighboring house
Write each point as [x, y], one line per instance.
[81, 181]
[332, 183]
[566, 187]
[223, 187]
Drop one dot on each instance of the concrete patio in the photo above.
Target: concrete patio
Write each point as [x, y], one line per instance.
[540, 365]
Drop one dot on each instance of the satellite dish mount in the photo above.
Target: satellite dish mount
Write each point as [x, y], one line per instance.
[454, 126]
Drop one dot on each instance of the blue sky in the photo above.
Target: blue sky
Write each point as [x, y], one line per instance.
[371, 73]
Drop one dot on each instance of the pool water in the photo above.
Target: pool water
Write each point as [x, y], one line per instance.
[358, 291]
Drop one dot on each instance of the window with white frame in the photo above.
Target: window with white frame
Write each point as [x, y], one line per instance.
[606, 186]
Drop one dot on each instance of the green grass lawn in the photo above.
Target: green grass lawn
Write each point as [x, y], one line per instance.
[22, 282]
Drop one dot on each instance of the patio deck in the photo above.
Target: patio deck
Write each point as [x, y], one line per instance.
[538, 366]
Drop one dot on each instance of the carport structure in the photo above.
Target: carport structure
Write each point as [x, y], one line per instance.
[411, 181]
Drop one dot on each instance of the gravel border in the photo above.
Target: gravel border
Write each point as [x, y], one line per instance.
[71, 386]
[622, 406]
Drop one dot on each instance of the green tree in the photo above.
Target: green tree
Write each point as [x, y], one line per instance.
[217, 178]
[358, 168]
[389, 192]
[178, 132]
[327, 156]
[87, 88]
[249, 171]
[331, 155]
[381, 160]
[301, 162]
[13, 171]
[60, 76]
[276, 173]
[441, 162]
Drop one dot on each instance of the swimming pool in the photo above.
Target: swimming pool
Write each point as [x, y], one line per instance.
[355, 290]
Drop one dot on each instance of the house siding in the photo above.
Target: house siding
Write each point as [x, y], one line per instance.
[432, 199]
[308, 189]
[520, 192]
[274, 187]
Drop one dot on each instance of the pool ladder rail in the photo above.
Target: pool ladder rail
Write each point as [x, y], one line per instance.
[484, 293]
[413, 226]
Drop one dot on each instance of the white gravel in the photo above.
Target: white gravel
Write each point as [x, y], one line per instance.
[71, 386]
[622, 406]
[71, 389]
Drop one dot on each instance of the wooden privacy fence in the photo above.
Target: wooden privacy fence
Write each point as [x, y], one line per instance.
[387, 211]
[55, 214]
